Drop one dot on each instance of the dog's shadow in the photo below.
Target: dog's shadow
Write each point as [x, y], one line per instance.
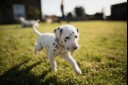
[15, 76]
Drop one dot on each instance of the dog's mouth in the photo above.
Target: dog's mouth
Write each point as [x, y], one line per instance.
[68, 48]
[71, 50]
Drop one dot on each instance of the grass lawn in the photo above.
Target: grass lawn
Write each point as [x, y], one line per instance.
[102, 56]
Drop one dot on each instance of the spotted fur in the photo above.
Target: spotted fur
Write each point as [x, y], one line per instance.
[57, 44]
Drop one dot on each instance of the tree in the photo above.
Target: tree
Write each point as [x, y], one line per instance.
[70, 16]
[79, 11]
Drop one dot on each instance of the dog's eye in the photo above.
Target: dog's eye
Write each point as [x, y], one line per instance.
[67, 38]
[76, 36]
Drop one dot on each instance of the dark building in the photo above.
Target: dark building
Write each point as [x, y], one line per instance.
[11, 10]
[119, 11]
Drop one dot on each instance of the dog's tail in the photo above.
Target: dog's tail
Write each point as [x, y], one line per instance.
[36, 24]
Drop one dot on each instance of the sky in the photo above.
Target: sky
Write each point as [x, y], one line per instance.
[52, 7]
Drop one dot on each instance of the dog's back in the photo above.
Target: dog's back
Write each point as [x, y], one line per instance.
[26, 23]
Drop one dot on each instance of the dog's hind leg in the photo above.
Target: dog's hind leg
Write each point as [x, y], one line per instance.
[37, 48]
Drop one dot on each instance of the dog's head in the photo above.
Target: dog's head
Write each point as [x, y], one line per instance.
[68, 36]
[21, 19]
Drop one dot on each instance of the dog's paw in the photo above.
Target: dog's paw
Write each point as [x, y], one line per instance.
[78, 71]
[54, 70]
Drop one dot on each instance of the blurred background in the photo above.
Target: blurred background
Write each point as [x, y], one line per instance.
[102, 56]
[73, 10]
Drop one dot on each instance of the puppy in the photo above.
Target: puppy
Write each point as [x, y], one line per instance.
[62, 42]
[26, 23]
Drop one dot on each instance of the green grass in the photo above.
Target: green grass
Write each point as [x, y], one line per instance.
[102, 56]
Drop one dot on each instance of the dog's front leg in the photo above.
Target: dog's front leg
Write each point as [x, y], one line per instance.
[69, 59]
[52, 62]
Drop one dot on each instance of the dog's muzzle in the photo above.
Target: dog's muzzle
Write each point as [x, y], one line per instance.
[72, 49]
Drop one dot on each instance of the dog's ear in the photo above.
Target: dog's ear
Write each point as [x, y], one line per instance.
[58, 32]
[61, 31]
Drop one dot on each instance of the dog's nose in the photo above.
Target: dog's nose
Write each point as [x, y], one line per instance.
[75, 47]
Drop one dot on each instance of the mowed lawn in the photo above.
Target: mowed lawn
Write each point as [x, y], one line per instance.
[102, 56]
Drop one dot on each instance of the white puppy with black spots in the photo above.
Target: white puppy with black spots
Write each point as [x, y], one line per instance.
[63, 41]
